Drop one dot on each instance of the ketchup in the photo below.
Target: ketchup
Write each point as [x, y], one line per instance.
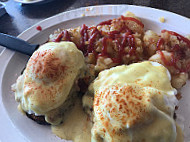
[179, 37]
[65, 35]
[59, 37]
[108, 22]
[105, 53]
[173, 62]
[122, 40]
[133, 19]
[39, 28]
[92, 40]
[159, 43]
[178, 52]
[84, 38]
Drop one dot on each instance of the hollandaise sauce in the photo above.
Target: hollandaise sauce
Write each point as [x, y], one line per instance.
[131, 103]
[76, 126]
[180, 136]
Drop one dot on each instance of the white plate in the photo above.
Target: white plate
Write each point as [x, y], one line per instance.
[15, 126]
[32, 2]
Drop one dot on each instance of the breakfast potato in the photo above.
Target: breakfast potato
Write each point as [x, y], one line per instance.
[150, 42]
[178, 79]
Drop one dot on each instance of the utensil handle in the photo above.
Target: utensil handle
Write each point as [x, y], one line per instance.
[17, 44]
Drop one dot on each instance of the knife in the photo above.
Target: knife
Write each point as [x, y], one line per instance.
[17, 44]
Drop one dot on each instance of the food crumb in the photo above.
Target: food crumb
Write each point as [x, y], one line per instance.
[178, 96]
[162, 19]
[129, 14]
[87, 9]
[83, 15]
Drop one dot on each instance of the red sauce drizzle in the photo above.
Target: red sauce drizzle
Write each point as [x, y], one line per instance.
[39, 28]
[116, 34]
[180, 52]
[179, 37]
[121, 41]
[92, 40]
[133, 19]
[59, 37]
[84, 38]
[159, 43]
[126, 30]
[127, 40]
[172, 62]
[105, 53]
[163, 58]
[65, 35]
[176, 50]
[104, 49]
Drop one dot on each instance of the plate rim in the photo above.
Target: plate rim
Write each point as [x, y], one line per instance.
[29, 2]
[97, 6]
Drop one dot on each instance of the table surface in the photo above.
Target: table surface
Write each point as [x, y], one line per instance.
[20, 17]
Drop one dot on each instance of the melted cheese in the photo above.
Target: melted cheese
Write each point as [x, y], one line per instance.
[49, 78]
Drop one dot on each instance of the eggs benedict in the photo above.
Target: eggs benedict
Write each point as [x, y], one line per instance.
[133, 103]
[128, 112]
[50, 80]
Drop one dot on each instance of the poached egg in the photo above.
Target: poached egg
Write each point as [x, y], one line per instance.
[49, 79]
[134, 103]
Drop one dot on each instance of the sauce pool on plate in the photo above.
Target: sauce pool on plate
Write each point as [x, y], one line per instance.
[76, 126]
